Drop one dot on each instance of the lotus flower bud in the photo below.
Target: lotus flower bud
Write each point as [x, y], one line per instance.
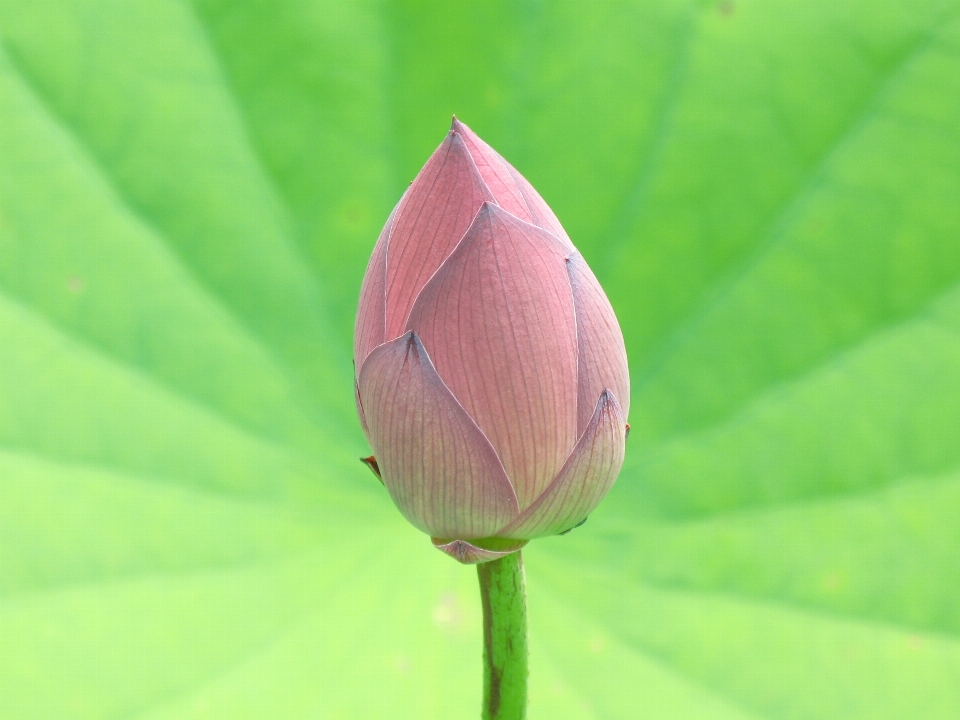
[491, 374]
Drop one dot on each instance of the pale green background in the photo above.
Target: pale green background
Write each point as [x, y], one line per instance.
[768, 189]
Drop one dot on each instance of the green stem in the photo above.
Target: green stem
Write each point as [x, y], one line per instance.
[504, 599]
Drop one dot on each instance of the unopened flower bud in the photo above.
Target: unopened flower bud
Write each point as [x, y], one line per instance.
[491, 376]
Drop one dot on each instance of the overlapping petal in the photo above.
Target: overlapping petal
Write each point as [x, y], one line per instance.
[483, 415]
[602, 355]
[587, 475]
[543, 215]
[370, 327]
[498, 320]
[510, 189]
[436, 211]
[495, 172]
[439, 468]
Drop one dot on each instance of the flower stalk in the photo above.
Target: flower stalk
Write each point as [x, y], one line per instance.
[503, 595]
[491, 381]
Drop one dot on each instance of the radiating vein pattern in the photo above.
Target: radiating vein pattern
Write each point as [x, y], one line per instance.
[189, 192]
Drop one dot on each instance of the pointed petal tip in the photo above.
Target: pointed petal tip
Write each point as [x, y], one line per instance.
[491, 209]
[488, 210]
[587, 475]
[608, 402]
[411, 342]
[468, 553]
[439, 468]
[608, 398]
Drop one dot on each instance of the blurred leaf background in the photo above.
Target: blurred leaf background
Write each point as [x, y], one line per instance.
[189, 192]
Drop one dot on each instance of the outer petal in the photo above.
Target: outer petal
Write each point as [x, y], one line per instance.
[370, 326]
[510, 189]
[436, 211]
[438, 467]
[498, 320]
[602, 355]
[588, 474]
[470, 554]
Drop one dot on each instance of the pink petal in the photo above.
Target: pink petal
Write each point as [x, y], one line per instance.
[588, 474]
[602, 355]
[438, 467]
[498, 319]
[542, 214]
[495, 172]
[370, 325]
[470, 554]
[510, 189]
[436, 211]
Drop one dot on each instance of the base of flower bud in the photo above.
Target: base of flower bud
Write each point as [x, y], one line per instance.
[472, 552]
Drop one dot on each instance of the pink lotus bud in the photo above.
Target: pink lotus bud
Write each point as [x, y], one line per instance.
[492, 377]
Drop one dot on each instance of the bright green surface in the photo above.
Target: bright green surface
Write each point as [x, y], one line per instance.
[503, 598]
[188, 196]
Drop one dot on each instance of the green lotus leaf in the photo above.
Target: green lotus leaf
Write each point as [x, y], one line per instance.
[189, 192]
